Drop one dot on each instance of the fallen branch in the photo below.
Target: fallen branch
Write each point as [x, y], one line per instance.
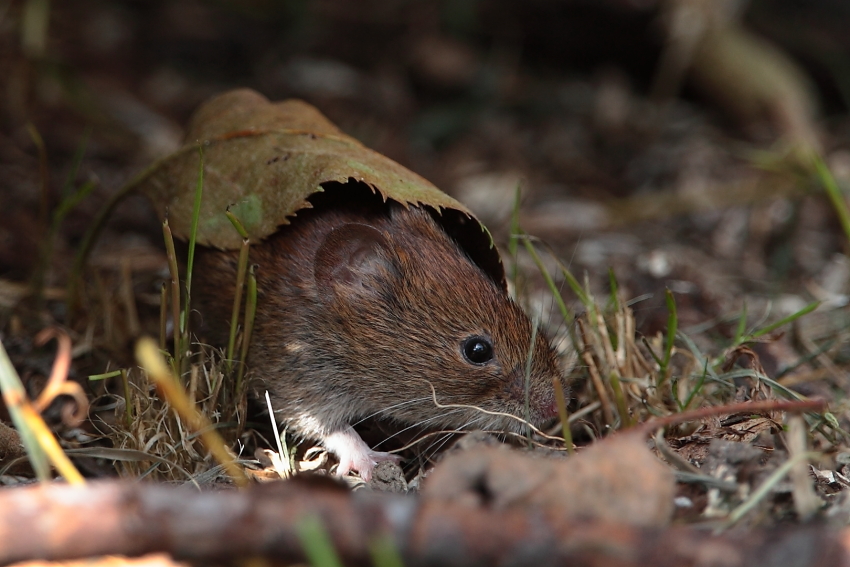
[60, 522]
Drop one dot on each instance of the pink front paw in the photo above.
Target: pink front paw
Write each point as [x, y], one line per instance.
[354, 454]
[363, 463]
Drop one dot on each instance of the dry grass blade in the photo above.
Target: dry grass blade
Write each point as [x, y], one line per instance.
[175, 291]
[250, 313]
[806, 502]
[618, 369]
[592, 367]
[563, 415]
[153, 363]
[241, 270]
[281, 459]
[129, 455]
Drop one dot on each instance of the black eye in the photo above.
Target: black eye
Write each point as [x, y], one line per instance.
[477, 350]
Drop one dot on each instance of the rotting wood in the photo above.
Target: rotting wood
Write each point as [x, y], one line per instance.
[59, 522]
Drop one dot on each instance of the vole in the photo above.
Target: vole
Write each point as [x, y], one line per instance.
[364, 307]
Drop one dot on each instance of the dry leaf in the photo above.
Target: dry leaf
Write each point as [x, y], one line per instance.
[616, 480]
[263, 160]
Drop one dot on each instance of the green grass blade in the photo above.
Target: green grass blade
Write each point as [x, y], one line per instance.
[515, 235]
[113, 374]
[613, 296]
[193, 236]
[672, 326]
[742, 326]
[550, 283]
[70, 199]
[834, 193]
[651, 352]
[703, 360]
[43, 174]
[236, 223]
[696, 389]
[620, 400]
[765, 487]
[384, 553]
[793, 317]
[10, 384]
[97, 224]
[577, 288]
[241, 270]
[76, 162]
[316, 542]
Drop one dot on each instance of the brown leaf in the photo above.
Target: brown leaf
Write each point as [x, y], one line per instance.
[616, 480]
[263, 160]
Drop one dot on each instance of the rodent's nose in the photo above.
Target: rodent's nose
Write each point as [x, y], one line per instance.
[543, 406]
[548, 409]
[542, 399]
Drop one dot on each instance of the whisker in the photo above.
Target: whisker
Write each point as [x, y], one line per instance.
[432, 434]
[438, 444]
[418, 424]
[392, 407]
[484, 411]
[434, 448]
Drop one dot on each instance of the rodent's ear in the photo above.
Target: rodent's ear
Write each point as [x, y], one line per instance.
[349, 254]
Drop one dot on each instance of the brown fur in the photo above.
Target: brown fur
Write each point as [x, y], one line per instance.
[331, 353]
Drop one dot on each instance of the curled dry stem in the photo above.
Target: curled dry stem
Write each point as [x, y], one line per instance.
[57, 384]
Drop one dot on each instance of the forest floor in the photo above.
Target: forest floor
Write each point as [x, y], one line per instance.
[640, 193]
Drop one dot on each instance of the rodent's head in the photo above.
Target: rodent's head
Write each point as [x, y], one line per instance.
[412, 308]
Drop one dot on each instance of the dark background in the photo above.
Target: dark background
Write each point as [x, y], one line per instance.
[476, 96]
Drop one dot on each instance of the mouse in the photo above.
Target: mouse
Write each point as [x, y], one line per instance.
[370, 308]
